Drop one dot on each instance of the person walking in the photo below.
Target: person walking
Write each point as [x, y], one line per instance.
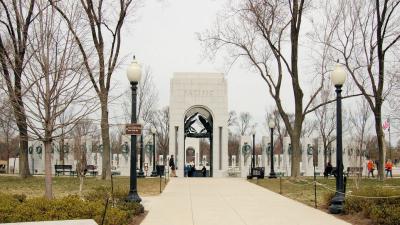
[388, 168]
[204, 171]
[172, 165]
[328, 170]
[371, 168]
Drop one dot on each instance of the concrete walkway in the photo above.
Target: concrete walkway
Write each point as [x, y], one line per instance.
[228, 201]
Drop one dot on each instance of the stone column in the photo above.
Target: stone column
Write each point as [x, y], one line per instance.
[321, 163]
[245, 159]
[346, 158]
[309, 164]
[304, 162]
[99, 162]
[333, 153]
[286, 157]
[265, 156]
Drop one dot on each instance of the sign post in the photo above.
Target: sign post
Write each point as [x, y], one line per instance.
[133, 129]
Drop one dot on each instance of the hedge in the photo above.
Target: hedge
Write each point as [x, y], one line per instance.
[17, 208]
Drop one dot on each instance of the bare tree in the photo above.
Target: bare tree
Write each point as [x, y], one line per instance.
[7, 127]
[366, 37]
[232, 120]
[279, 129]
[160, 120]
[309, 127]
[104, 19]
[57, 82]
[83, 129]
[258, 31]
[147, 99]
[244, 123]
[15, 20]
[326, 120]
[359, 120]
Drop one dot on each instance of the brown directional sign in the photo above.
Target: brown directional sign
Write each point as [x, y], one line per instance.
[133, 129]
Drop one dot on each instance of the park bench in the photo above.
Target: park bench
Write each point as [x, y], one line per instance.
[64, 169]
[354, 171]
[233, 171]
[2, 168]
[280, 173]
[257, 172]
[92, 170]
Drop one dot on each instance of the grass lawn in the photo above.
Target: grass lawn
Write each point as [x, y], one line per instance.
[302, 190]
[65, 185]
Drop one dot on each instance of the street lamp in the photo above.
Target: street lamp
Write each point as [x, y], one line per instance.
[271, 125]
[154, 172]
[141, 172]
[338, 78]
[253, 162]
[134, 74]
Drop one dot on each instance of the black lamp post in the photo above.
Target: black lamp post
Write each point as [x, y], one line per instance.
[141, 172]
[154, 172]
[338, 77]
[253, 160]
[134, 74]
[271, 125]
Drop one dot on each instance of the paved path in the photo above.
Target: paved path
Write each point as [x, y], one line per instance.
[228, 201]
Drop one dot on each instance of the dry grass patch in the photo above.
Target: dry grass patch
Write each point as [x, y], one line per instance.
[302, 190]
[65, 185]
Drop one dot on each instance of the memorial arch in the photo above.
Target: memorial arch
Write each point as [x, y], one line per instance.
[199, 110]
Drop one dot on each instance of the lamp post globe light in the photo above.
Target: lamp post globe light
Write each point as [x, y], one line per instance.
[134, 74]
[154, 172]
[338, 78]
[271, 125]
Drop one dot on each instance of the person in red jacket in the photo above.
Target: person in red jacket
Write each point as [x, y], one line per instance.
[371, 168]
[388, 168]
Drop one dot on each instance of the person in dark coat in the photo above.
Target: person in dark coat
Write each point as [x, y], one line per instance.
[193, 170]
[172, 165]
[204, 171]
[328, 170]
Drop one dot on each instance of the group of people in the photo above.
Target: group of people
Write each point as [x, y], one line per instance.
[388, 167]
[190, 169]
[371, 165]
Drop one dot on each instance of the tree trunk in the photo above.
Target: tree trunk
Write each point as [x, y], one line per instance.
[61, 147]
[81, 178]
[105, 136]
[8, 157]
[23, 141]
[296, 155]
[380, 36]
[380, 137]
[47, 170]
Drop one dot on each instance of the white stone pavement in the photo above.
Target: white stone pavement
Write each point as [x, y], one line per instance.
[228, 201]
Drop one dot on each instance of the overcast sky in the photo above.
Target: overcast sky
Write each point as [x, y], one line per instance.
[163, 36]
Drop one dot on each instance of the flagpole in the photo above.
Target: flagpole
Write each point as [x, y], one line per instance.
[390, 143]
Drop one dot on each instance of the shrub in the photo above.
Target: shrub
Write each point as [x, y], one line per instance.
[385, 211]
[18, 209]
[327, 197]
[7, 207]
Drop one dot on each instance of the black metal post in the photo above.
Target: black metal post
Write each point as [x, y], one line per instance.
[133, 195]
[272, 173]
[154, 172]
[141, 173]
[253, 162]
[337, 201]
